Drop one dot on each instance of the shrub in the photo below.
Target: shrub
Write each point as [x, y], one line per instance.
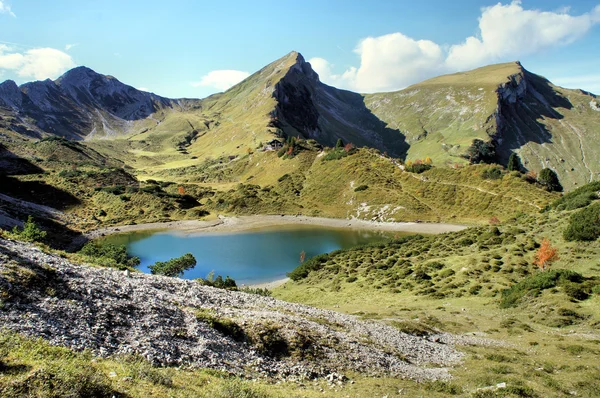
[116, 190]
[218, 282]
[418, 168]
[174, 267]
[312, 264]
[481, 152]
[70, 173]
[335, 154]
[514, 162]
[30, 232]
[109, 255]
[533, 285]
[549, 180]
[581, 197]
[225, 326]
[361, 188]
[584, 225]
[492, 173]
[256, 290]
[575, 291]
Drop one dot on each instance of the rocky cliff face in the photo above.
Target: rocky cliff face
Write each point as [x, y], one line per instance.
[548, 127]
[310, 109]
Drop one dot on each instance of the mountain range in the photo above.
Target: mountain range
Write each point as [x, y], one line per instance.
[504, 106]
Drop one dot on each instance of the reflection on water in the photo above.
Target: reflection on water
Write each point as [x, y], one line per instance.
[249, 257]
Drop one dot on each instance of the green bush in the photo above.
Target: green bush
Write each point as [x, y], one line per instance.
[534, 285]
[549, 180]
[312, 264]
[418, 168]
[335, 154]
[225, 326]
[218, 282]
[109, 255]
[584, 225]
[256, 290]
[70, 173]
[578, 198]
[492, 173]
[174, 267]
[514, 162]
[30, 232]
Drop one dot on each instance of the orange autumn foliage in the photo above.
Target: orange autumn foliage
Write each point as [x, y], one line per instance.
[545, 255]
[181, 190]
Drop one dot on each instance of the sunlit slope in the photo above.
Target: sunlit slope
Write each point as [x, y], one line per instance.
[442, 116]
[518, 111]
[364, 185]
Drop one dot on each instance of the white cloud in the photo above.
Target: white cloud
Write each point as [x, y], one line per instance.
[511, 31]
[5, 9]
[70, 46]
[221, 79]
[506, 33]
[143, 89]
[37, 63]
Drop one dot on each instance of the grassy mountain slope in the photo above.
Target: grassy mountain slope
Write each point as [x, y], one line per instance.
[442, 116]
[283, 99]
[519, 111]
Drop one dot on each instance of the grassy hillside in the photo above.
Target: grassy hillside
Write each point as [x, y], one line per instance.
[442, 116]
[99, 190]
[480, 281]
[364, 185]
[548, 126]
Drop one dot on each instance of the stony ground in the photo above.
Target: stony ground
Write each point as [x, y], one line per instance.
[171, 322]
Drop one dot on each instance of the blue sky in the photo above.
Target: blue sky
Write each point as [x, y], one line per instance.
[195, 48]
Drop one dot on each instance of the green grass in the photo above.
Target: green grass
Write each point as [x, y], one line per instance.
[478, 281]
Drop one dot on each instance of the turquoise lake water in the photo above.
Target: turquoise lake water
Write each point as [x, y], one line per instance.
[248, 257]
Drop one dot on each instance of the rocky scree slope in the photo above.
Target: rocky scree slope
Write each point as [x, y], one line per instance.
[171, 321]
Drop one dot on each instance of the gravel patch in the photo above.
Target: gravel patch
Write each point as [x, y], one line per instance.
[167, 321]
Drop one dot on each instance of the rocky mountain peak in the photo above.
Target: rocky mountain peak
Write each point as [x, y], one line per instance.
[80, 76]
[303, 67]
[10, 95]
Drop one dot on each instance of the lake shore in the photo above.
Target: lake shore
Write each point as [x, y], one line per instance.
[227, 225]
[268, 285]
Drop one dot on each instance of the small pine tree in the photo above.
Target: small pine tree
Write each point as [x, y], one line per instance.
[339, 143]
[514, 162]
[30, 232]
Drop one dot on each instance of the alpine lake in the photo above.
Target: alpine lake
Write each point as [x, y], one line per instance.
[250, 257]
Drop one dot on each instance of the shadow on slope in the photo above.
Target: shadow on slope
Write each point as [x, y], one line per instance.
[38, 192]
[313, 110]
[12, 164]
